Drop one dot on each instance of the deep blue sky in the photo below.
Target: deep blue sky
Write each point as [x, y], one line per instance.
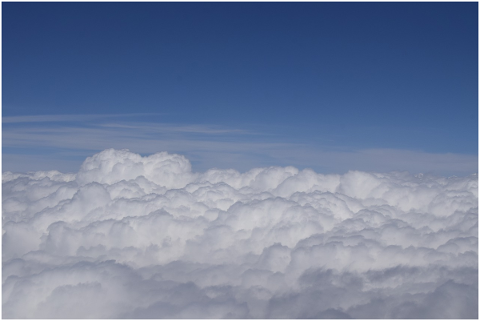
[346, 76]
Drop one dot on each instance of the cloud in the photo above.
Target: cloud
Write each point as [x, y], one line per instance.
[45, 142]
[65, 118]
[146, 237]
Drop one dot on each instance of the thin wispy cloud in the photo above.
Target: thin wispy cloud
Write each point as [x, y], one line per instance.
[67, 118]
[218, 146]
[204, 143]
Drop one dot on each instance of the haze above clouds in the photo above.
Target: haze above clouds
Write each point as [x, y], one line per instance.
[45, 143]
[145, 237]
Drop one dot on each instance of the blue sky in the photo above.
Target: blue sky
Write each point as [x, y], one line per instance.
[330, 86]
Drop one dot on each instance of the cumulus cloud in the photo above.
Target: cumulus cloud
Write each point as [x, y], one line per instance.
[145, 237]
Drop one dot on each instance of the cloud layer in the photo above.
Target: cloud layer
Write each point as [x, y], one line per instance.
[145, 237]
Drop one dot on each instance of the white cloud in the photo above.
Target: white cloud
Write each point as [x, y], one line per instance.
[145, 237]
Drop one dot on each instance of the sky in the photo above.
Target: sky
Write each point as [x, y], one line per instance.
[328, 86]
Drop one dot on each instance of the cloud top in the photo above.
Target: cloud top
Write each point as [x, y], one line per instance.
[145, 237]
[112, 166]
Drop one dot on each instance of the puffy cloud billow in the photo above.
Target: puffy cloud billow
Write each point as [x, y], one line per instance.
[145, 237]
